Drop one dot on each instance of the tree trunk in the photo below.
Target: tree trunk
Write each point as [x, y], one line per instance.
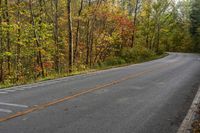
[7, 17]
[57, 62]
[1, 45]
[70, 35]
[91, 49]
[39, 44]
[134, 22]
[18, 40]
[88, 42]
[77, 32]
[37, 41]
[88, 36]
[158, 38]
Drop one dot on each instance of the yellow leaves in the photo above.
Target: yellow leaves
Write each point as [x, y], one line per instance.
[143, 14]
[165, 30]
[41, 50]
[109, 39]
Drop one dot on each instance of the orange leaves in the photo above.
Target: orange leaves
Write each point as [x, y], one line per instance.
[38, 68]
[46, 65]
[118, 20]
[123, 21]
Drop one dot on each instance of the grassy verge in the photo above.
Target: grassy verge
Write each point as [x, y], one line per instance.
[97, 68]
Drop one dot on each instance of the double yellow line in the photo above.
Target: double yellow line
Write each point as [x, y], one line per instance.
[86, 91]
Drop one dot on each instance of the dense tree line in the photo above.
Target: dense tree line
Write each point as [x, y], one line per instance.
[195, 25]
[39, 38]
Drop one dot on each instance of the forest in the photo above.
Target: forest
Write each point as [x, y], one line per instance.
[41, 39]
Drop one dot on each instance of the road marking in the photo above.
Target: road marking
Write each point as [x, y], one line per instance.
[5, 111]
[20, 89]
[3, 92]
[14, 105]
[85, 91]
[10, 90]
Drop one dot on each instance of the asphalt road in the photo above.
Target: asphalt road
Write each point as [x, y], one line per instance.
[151, 97]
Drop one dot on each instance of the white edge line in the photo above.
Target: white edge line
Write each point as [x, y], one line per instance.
[10, 90]
[20, 89]
[3, 92]
[15, 105]
[5, 111]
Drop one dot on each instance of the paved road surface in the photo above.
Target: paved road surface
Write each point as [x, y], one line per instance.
[151, 97]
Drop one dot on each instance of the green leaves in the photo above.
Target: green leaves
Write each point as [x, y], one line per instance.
[8, 54]
[195, 24]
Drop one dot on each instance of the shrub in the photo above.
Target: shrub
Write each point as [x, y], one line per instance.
[111, 61]
[136, 54]
[129, 55]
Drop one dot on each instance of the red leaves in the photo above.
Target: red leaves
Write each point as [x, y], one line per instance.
[123, 21]
[119, 21]
[48, 64]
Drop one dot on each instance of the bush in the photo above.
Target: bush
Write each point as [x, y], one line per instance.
[136, 54]
[111, 61]
[129, 55]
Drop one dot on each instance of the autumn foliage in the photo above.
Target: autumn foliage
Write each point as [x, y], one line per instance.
[50, 37]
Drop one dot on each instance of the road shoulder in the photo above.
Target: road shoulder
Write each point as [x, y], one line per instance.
[186, 126]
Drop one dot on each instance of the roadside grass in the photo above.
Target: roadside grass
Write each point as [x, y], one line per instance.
[88, 70]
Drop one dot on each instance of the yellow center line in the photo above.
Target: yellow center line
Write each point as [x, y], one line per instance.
[86, 91]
